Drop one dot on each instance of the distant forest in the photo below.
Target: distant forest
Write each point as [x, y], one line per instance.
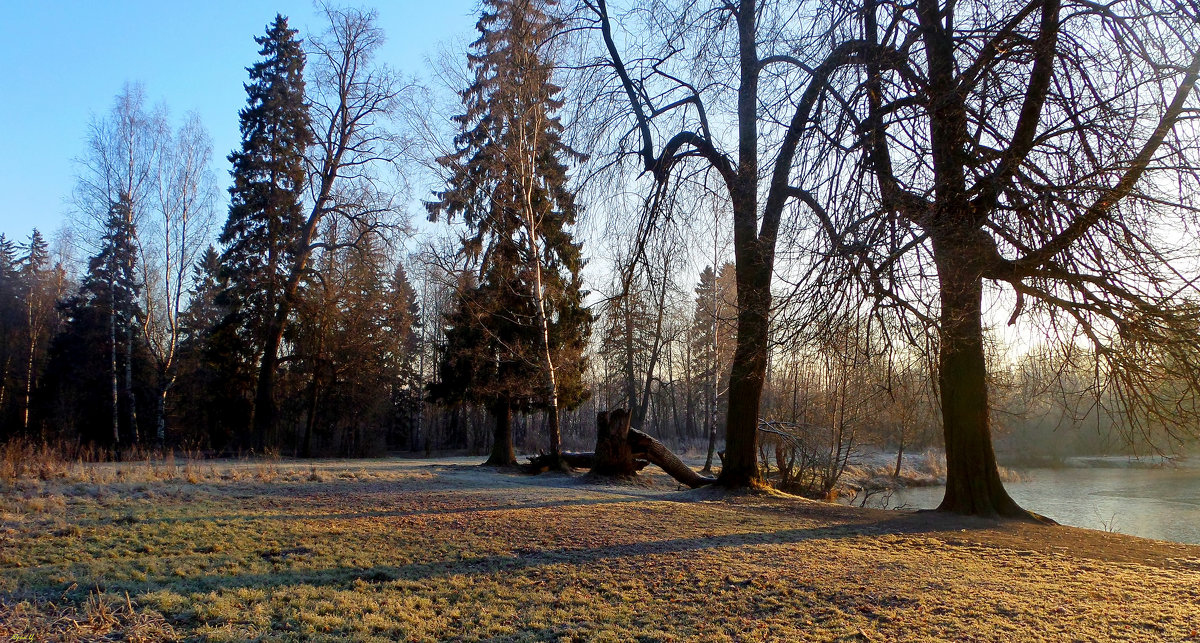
[774, 250]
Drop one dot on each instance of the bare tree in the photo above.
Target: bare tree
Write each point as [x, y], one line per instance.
[173, 236]
[352, 99]
[121, 156]
[1045, 145]
[703, 73]
[119, 171]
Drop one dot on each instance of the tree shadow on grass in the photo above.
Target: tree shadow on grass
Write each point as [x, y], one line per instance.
[502, 564]
[612, 494]
[353, 515]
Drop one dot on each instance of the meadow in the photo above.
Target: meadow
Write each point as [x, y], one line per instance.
[425, 550]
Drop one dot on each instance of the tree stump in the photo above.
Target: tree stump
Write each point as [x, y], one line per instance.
[614, 454]
[622, 451]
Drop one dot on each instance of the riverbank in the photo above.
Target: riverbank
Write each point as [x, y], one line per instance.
[419, 550]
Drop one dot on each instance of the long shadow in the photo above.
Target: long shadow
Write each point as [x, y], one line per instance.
[623, 496]
[372, 514]
[505, 564]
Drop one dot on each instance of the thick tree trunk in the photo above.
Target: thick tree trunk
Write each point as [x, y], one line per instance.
[502, 443]
[264, 397]
[740, 464]
[753, 261]
[973, 483]
[614, 454]
[654, 451]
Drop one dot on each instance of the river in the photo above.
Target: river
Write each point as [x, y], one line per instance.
[1160, 503]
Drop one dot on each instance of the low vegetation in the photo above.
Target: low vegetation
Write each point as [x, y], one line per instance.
[418, 550]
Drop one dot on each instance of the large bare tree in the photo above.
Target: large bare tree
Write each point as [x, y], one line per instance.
[165, 180]
[1046, 145]
[173, 236]
[733, 87]
[352, 98]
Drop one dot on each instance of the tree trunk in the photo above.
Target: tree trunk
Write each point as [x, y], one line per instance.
[130, 397]
[264, 397]
[622, 451]
[311, 420]
[502, 443]
[973, 483]
[630, 379]
[112, 354]
[712, 444]
[160, 415]
[33, 337]
[614, 455]
[539, 307]
[647, 447]
[740, 465]
[639, 412]
[714, 378]
[4, 380]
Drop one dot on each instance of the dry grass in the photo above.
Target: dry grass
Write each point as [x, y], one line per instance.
[404, 550]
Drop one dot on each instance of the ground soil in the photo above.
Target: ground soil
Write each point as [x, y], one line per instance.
[445, 550]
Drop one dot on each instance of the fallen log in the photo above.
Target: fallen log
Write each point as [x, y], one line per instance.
[656, 452]
[622, 451]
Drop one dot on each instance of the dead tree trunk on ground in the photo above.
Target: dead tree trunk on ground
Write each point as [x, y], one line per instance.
[623, 451]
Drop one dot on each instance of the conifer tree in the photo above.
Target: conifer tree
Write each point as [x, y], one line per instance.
[403, 324]
[112, 279]
[40, 285]
[101, 342]
[210, 404]
[265, 214]
[523, 323]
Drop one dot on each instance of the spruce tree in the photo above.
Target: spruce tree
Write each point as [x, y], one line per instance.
[100, 347]
[265, 215]
[210, 402]
[403, 325]
[518, 336]
[40, 286]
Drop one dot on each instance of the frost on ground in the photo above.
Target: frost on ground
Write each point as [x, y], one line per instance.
[429, 550]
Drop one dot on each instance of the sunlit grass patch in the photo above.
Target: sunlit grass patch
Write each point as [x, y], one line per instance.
[402, 550]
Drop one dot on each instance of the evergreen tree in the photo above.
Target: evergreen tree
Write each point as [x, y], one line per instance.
[524, 323]
[265, 216]
[203, 312]
[96, 356]
[40, 285]
[209, 403]
[403, 324]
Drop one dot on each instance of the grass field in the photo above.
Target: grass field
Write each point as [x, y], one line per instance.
[433, 550]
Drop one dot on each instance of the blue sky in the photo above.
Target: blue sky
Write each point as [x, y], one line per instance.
[62, 62]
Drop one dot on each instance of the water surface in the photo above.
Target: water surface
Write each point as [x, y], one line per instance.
[1160, 503]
